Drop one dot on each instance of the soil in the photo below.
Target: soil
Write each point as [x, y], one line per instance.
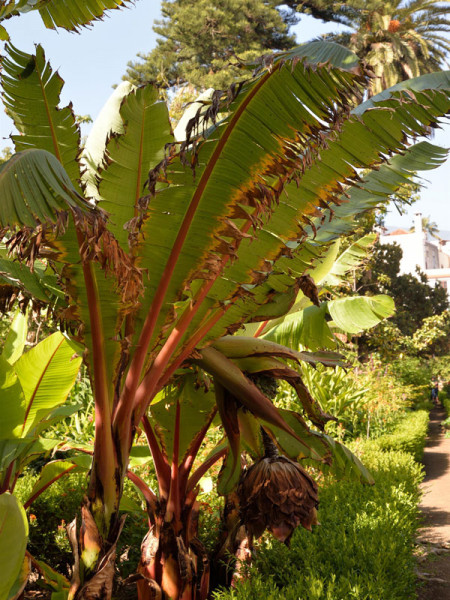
[434, 537]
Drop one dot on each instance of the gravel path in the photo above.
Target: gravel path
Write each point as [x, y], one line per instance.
[434, 568]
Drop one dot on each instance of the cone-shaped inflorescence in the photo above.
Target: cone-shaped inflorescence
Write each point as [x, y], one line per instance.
[267, 385]
[277, 494]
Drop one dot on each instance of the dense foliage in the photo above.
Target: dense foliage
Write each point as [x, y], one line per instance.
[415, 300]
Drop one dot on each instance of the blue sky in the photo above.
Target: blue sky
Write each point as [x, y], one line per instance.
[92, 62]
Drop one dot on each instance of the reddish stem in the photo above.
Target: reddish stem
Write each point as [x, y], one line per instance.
[162, 467]
[150, 386]
[261, 328]
[186, 465]
[5, 485]
[149, 496]
[105, 458]
[203, 468]
[44, 487]
[173, 503]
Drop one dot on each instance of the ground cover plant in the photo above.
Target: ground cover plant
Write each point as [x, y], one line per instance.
[196, 245]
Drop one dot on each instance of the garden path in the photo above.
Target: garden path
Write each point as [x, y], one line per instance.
[435, 506]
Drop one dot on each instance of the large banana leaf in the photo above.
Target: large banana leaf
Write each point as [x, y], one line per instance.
[56, 469]
[15, 338]
[197, 407]
[146, 131]
[349, 260]
[13, 541]
[197, 222]
[46, 374]
[41, 123]
[108, 123]
[35, 189]
[12, 402]
[71, 14]
[358, 313]
[310, 327]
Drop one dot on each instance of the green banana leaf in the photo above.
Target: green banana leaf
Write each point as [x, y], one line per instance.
[46, 374]
[13, 541]
[378, 186]
[108, 123]
[12, 401]
[35, 188]
[359, 313]
[349, 260]
[311, 329]
[41, 123]
[19, 585]
[54, 470]
[308, 328]
[32, 390]
[146, 131]
[197, 408]
[15, 338]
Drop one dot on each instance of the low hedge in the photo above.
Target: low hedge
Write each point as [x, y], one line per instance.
[443, 396]
[361, 551]
[409, 435]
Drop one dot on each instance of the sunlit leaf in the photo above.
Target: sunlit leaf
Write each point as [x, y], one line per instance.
[359, 313]
[13, 541]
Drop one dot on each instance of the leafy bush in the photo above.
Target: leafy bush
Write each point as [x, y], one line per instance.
[366, 401]
[445, 399]
[48, 516]
[361, 551]
[409, 435]
[415, 373]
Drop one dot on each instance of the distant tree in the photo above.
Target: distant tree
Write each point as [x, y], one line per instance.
[429, 226]
[200, 38]
[5, 154]
[414, 299]
[398, 39]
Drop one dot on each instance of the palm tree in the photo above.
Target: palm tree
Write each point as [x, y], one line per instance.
[398, 39]
[429, 226]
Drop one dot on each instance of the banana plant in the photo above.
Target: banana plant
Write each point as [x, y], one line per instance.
[33, 388]
[188, 242]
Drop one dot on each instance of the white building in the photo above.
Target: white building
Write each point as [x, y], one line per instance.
[432, 256]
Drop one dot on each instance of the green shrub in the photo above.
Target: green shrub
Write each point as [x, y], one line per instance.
[49, 515]
[443, 396]
[363, 549]
[409, 435]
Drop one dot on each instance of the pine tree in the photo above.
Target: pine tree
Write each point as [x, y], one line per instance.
[200, 38]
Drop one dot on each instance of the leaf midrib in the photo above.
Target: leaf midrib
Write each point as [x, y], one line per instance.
[49, 117]
[38, 383]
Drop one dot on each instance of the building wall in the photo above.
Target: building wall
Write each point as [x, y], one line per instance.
[432, 257]
[412, 245]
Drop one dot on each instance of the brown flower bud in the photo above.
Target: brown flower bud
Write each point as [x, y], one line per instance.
[277, 494]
